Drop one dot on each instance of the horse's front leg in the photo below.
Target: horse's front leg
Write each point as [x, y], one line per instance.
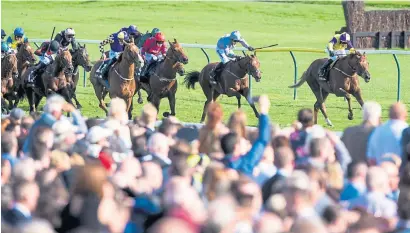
[77, 103]
[172, 101]
[140, 100]
[248, 98]
[358, 95]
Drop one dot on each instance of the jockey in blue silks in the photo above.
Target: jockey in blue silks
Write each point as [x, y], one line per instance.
[224, 49]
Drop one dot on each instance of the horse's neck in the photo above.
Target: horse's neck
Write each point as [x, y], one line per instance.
[168, 69]
[126, 68]
[237, 68]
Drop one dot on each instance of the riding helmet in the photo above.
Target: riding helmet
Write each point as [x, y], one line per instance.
[19, 32]
[54, 46]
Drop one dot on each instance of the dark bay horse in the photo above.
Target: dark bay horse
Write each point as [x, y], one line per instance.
[343, 81]
[233, 80]
[9, 76]
[120, 78]
[162, 82]
[53, 78]
[80, 58]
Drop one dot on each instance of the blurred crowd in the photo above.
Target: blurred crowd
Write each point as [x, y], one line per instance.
[72, 174]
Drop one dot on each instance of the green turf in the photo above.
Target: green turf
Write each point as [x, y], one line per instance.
[261, 23]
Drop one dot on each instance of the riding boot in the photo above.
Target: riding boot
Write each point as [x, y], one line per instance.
[36, 71]
[144, 69]
[322, 71]
[106, 69]
[215, 72]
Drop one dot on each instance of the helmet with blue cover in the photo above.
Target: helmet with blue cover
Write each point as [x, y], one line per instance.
[19, 32]
[235, 36]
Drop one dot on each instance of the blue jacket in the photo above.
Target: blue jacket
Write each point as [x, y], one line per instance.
[246, 163]
[47, 120]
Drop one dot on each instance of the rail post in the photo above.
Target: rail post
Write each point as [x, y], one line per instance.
[295, 67]
[398, 76]
[84, 78]
[206, 55]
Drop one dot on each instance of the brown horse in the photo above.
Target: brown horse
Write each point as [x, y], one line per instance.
[120, 78]
[25, 58]
[233, 80]
[80, 58]
[163, 82]
[343, 81]
[53, 79]
[9, 75]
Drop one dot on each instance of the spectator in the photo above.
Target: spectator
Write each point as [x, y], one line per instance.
[386, 138]
[405, 147]
[298, 138]
[269, 223]
[403, 204]
[24, 170]
[97, 138]
[9, 148]
[25, 198]
[266, 168]
[284, 160]
[212, 131]
[356, 137]
[118, 121]
[297, 192]
[231, 147]
[148, 118]
[392, 171]
[37, 225]
[237, 124]
[53, 112]
[6, 190]
[356, 186]
[374, 201]
[334, 219]
[16, 116]
[64, 135]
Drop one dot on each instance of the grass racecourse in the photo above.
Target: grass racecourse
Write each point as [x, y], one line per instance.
[308, 25]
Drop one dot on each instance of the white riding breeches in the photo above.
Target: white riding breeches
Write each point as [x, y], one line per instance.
[337, 54]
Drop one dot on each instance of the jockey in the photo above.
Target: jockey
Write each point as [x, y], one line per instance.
[154, 50]
[336, 48]
[47, 53]
[116, 41]
[4, 49]
[224, 49]
[65, 38]
[146, 36]
[17, 38]
[3, 34]
[132, 32]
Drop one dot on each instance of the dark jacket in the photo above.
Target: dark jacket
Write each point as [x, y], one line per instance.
[14, 217]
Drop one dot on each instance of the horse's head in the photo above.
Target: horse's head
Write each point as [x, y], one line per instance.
[64, 62]
[253, 67]
[132, 54]
[25, 54]
[176, 52]
[358, 62]
[81, 57]
[179, 67]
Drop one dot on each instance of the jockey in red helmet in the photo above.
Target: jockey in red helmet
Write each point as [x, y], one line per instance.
[154, 50]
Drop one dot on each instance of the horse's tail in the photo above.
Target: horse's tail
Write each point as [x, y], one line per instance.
[21, 92]
[301, 81]
[191, 78]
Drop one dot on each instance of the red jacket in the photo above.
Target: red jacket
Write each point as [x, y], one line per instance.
[150, 46]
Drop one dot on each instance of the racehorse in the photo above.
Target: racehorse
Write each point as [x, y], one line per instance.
[162, 81]
[343, 81]
[233, 80]
[120, 77]
[9, 75]
[53, 79]
[80, 58]
[25, 58]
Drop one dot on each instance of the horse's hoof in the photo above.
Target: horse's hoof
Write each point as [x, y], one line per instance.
[166, 114]
[79, 106]
[140, 101]
[350, 116]
[328, 122]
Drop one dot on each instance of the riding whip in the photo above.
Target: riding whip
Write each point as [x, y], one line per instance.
[268, 46]
[51, 39]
